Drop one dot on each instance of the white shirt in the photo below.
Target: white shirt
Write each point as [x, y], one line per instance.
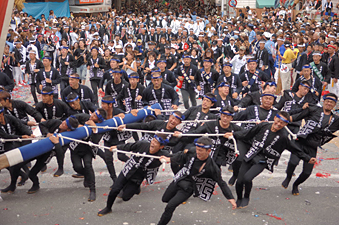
[196, 29]
[201, 26]
[175, 26]
[249, 15]
[164, 23]
[74, 37]
[238, 63]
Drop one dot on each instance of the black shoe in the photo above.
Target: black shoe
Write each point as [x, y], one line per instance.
[92, 196]
[105, 211]
[23, 180]
[58, 173]
[44, 169]
[33, 189]
[138, 191]
[244, 202]
[295, 190]
[10, 189]
[78, 175]
[285, 183]
[238, 202]
[232, 180]
[120, 194]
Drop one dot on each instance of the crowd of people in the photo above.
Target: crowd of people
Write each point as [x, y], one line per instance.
[267, 74]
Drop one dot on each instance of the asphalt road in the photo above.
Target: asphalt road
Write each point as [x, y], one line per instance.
[63, 200]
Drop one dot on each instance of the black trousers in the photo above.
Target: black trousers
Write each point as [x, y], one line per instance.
[174, 196]
[33, 92]
[39, 164]
[110, 162]
[82, 164]
[129, 188]
[243, 148]
[60, 155]
[63, 84]
[188, 94]
[95, 85]
[307, 167]
[248, 171]
[15, 171]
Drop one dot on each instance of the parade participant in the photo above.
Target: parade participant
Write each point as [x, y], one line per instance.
[76, 106]
[232, 79]
[255, 97]
[131, 95]
[262, 112]
[189, 166]
[20, 58]
[320, 69]
[95, 65]
[108, 75]
[65, 65]
[253, 79]
[222, 149]
[206, 77]
[316, 85]
[48, 76]
[200, 112]
[82, 154]
[113, 137]
[333, 65]
[33, 66]
[187, 73]
[159, 125]
[115, 86]
[291, 100]
[136, 169]
[262, 57]
[223, 98]
[6, 82]
[19, 109]
[160, 93]
[268, 142]
[300, 61]
[320, 125]
[83, 91]
[50, 128]
[51, 108]
[167, 75]
[12, 127]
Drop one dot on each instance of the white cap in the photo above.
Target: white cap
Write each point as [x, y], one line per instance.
[267, 34]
